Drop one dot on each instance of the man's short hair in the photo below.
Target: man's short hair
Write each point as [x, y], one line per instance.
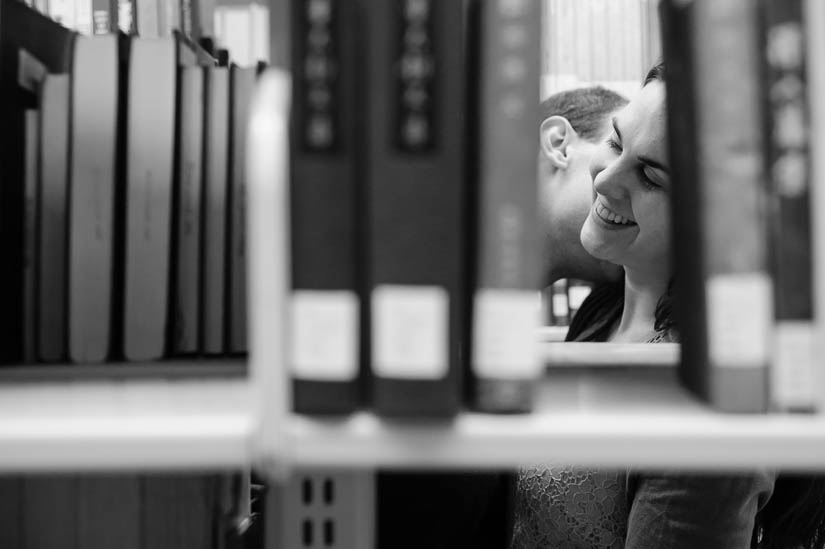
[585, 108]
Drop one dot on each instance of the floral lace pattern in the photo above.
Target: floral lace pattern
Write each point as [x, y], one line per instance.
[569, 508]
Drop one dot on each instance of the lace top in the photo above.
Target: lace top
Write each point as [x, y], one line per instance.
[576, 508]
[566, 507]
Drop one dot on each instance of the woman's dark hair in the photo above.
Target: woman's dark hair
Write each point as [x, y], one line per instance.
[794, 517]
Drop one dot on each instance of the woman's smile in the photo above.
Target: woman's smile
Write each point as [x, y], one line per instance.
[610, 218]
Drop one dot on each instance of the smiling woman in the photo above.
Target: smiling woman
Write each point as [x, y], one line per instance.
[629, 220]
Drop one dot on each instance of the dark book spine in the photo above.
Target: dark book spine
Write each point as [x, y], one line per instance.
[178, 510]
[25, 36]
[416, 195]
[787, 142]
[108, 511]
[677, 22]
[49, 512]
[505, 316]
[325, 192]
[727, 351]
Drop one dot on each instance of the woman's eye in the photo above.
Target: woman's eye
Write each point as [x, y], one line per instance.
[614, 145]
[647, 180]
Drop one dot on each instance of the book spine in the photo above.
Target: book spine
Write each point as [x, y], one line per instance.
[243, 83]
[738, 288]
[83, 13]
[178, 510]
[216, 151]
[63, 11]
[324, 195]
[12, 529]
[148, 18]
[102, 16]
[150, 169]
[788, 167]
[108, 511]
[126, 17]
[95, 105]
[49, 512]
[416, 195]
[814, 28]
[30, 234]
[186, 331]
[506, 310]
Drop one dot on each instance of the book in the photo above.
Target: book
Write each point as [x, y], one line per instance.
[723, 284]
[506, 306]
[30, 193]
[416, 195]
[216, 173]
[108, 508]
[53, 241]
[177, 510]
[150, 144]
[95, 230]
[31, 46]
[325, 195]
[11, 511]
[148, 17]
[785, 109]
[104, 16]
[83, 16]
[814, 28]
[242, 82]
[126, 19]
[49, 511]
[189, 191]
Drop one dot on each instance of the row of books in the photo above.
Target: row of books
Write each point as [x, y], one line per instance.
[126, 510]
[123, 196]
[413, 206]
[148, 18]
[745, 100]
[239, 28]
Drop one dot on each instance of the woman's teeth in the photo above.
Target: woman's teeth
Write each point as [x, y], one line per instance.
[610, 216]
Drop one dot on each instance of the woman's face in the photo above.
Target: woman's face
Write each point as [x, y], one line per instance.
[629, 220]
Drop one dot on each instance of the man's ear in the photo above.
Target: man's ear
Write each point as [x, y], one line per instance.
[555, 136]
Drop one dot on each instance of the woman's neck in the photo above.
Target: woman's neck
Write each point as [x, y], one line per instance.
[641, 296]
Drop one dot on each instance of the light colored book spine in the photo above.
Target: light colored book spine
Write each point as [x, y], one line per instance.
[186, 339]
[54, 162]
[215, 215]
[91, 214]
[83, 14]
[150, 167]
[148, 18]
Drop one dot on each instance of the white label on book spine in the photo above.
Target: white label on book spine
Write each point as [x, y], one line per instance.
[504, 334]
[409, 332]
[740, 317]
[324, 339]
[792, 371]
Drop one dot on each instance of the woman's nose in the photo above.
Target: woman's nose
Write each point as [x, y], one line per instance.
[610, 182]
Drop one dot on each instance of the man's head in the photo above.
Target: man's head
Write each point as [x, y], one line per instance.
[573, 124]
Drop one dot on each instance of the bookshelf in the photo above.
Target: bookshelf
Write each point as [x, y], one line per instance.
[601, 405]
[587, 416]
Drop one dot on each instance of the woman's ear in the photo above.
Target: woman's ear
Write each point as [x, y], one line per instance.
[555, 136]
